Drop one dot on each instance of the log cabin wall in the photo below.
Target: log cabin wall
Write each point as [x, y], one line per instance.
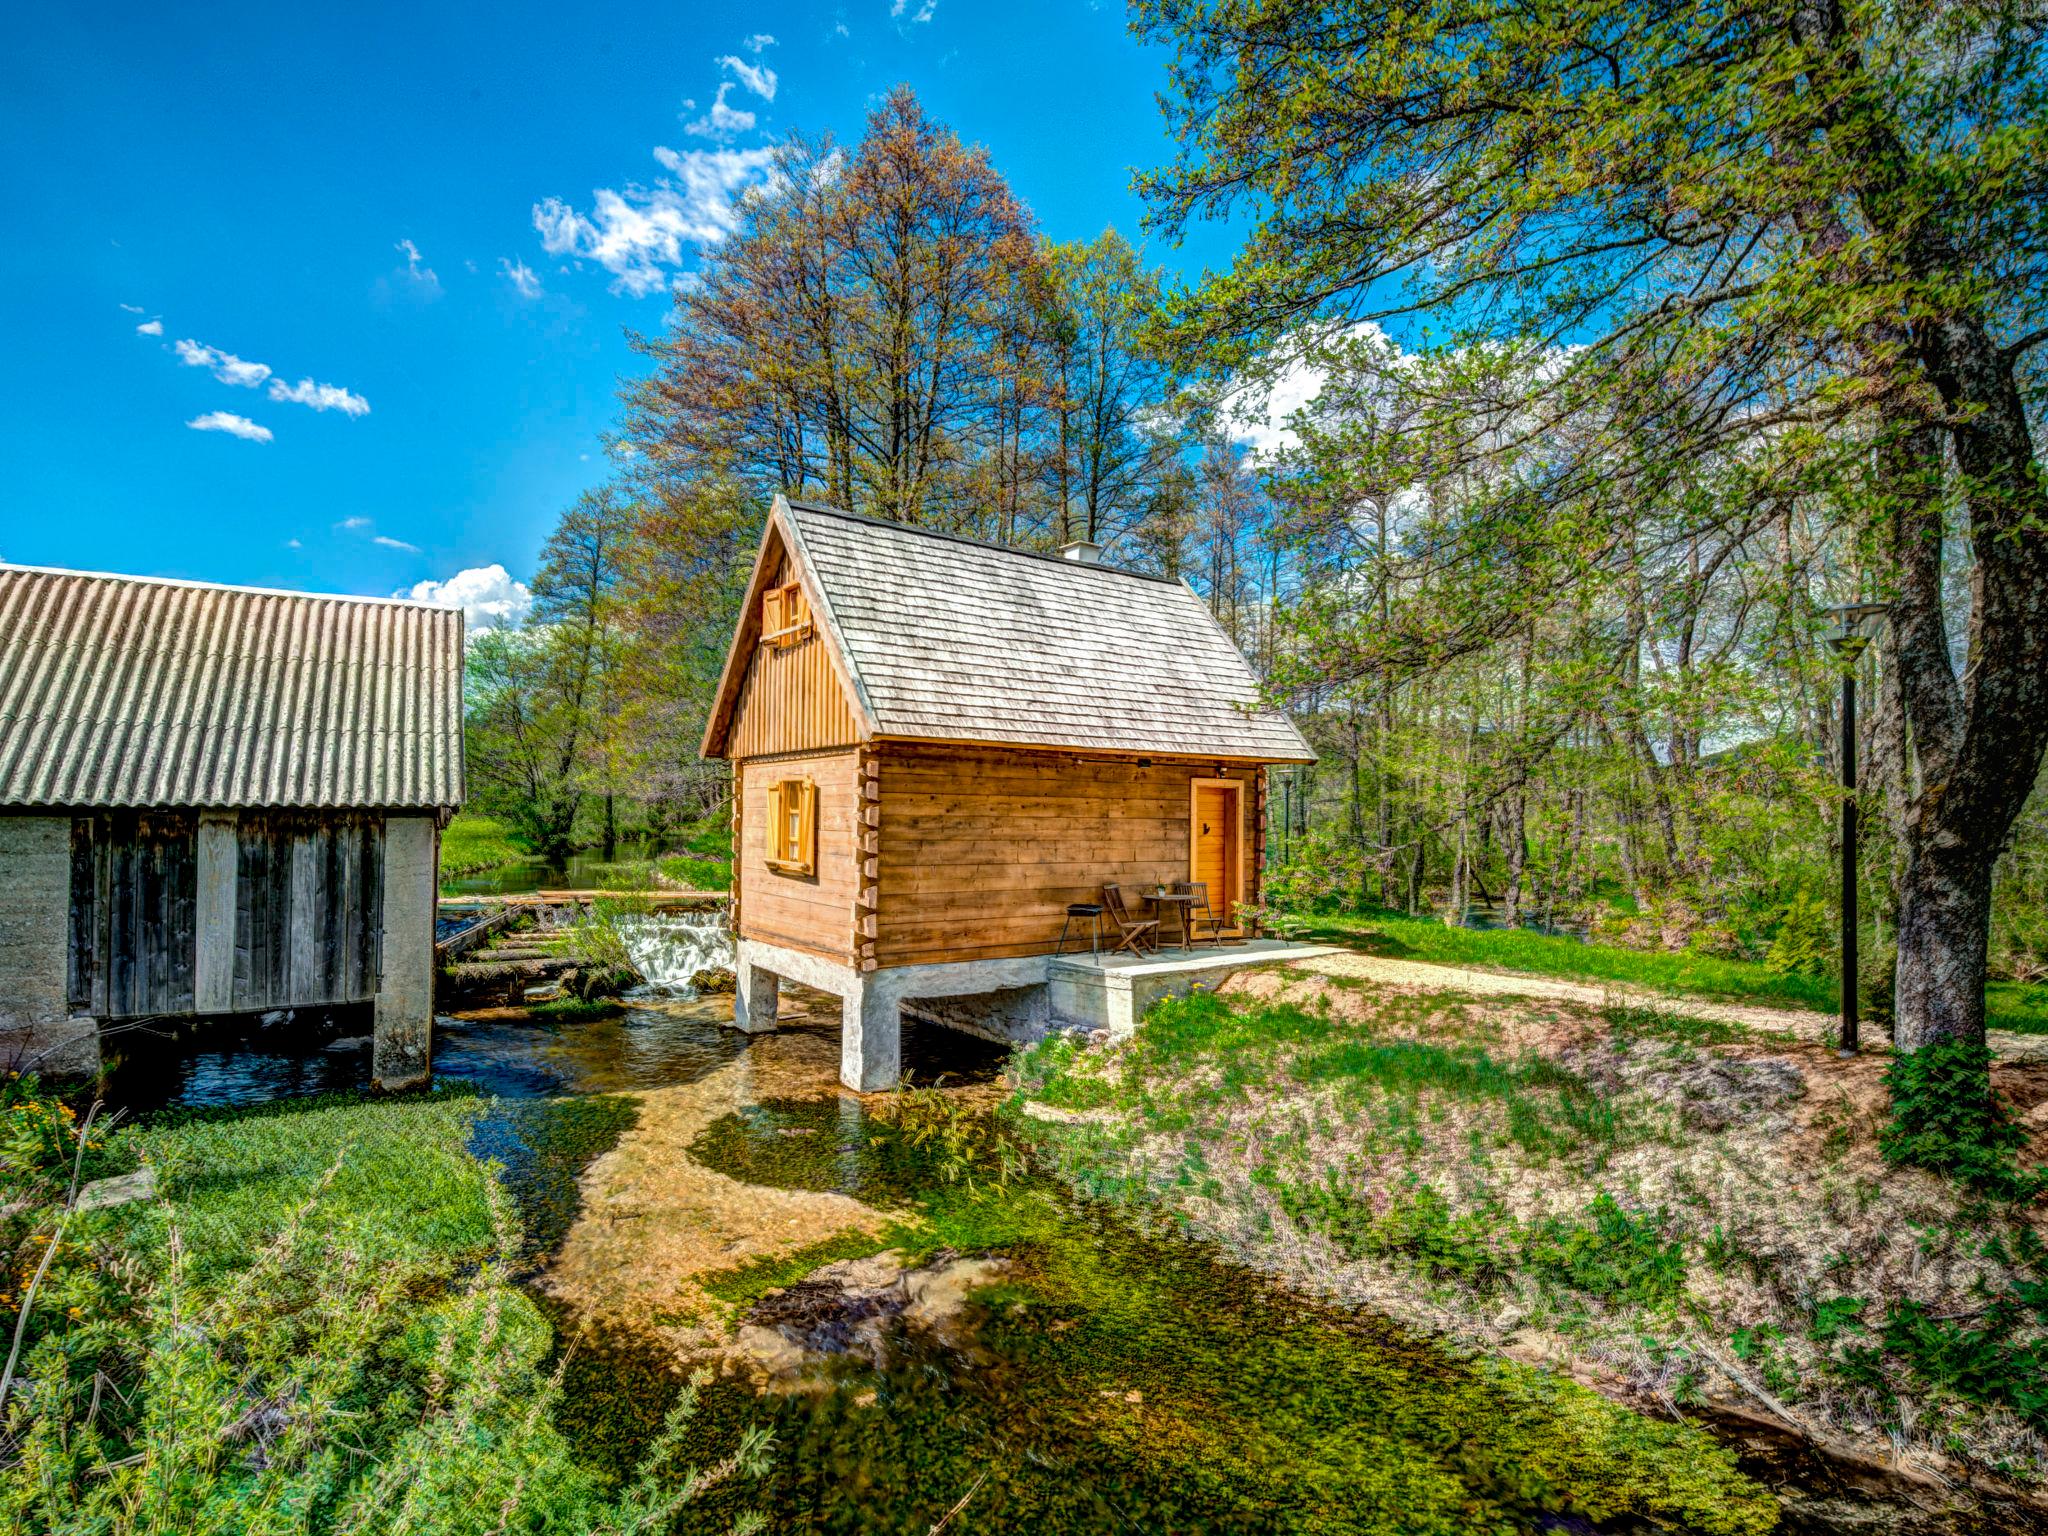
[979, 850]
[811, 912]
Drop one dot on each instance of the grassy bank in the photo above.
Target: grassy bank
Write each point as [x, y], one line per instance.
[313, 1329]
[703, 859]
[471, 844]
[1683, 1212]
[1683, 973]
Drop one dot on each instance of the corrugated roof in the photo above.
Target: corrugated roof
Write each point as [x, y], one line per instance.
[133, 691]
[954, 640]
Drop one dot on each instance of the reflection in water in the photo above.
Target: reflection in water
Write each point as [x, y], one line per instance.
[579, 872]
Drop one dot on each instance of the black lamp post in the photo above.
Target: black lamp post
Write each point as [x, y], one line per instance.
[1849, 643]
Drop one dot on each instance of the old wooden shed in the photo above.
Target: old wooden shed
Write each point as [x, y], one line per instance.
[218, 800]
[939, 744]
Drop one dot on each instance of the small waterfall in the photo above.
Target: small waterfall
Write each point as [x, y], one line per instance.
[669, 948]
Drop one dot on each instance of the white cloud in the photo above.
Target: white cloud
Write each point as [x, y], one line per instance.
[1258, 411]
[133, 309]
[417, 272]
[923, 12]
[759, 41]
[487, 595]
[293, 544]
[524, 280]
[233, 425]
[758, 78]
[390, 543]
[150, 328]
[354, 524]
[321, 397]
[721, 122]
[638, 235]
[227, 367]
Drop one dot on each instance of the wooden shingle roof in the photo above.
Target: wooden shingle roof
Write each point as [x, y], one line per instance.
[129, 691]
[948, 639]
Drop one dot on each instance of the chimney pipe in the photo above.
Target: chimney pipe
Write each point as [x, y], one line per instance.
[1086, 551]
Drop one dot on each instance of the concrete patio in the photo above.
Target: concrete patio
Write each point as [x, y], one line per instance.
[1112, 992]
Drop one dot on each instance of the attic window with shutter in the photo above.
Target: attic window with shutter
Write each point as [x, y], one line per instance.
[785, 615]
[793, 827]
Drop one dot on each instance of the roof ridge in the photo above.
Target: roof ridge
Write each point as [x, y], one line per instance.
[7, 566]
[972, 543]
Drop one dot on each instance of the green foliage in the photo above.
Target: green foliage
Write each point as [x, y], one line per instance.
[1984, 1362]
[1614, 1255]
[1417, 1227]
[471, 843]
[318, 1336]
[1805, 943]
[1946, 1118]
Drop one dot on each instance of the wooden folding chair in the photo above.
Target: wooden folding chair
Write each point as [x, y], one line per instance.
[1202, 916]
[1139, 935]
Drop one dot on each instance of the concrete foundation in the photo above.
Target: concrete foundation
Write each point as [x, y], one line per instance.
[1011, 1001]
[403, 1034]
[37, 1030]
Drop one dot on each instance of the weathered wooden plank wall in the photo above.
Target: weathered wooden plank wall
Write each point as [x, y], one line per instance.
[133, 916]
[305, 909]
[308, 909]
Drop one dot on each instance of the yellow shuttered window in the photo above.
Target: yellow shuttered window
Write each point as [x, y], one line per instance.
[793, 826]
[785, 615]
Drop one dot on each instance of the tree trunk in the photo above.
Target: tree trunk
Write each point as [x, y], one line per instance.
[1515, 834]
[1944, 938]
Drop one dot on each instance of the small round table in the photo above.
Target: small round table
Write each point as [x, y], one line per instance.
[1182, 902]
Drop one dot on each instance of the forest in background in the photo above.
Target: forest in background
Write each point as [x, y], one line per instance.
[1553, 678]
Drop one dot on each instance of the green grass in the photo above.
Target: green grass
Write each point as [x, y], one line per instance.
[2011, 1005]
[405, 1187]
[471, 843]
[703, 857]
[2019, 1006]
[314, 1330]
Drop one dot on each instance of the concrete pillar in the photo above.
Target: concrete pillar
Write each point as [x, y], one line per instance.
[38, 1032]
[870, 1035]
[756, 994]
[404, 1030]
[213, 966]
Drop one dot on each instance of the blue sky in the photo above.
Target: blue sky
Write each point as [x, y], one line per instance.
[334, 211]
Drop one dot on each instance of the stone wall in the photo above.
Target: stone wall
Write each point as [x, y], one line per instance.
[37, 1031]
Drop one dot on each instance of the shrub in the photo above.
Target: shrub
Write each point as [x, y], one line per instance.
[1804, 944]
[1946, 1118]
[1614, 1256]
[1420, 1229]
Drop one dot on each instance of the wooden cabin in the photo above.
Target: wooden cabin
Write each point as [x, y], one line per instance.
[939, 744]
[215, 801]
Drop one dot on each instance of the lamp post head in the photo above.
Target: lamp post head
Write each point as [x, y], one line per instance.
[1847, 638]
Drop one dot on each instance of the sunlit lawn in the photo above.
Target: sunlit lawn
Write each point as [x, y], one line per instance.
[2013, 1005]
[471, 843]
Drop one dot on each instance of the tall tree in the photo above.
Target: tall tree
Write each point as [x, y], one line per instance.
[1803, 237]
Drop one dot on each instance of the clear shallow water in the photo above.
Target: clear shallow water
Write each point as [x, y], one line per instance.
[1117, 1381]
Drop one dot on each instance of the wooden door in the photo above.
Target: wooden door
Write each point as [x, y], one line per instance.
[1216, 844]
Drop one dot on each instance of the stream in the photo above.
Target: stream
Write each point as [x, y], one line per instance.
[1105, 1378]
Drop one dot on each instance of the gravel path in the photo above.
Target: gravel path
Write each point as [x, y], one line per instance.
[1428, 976]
